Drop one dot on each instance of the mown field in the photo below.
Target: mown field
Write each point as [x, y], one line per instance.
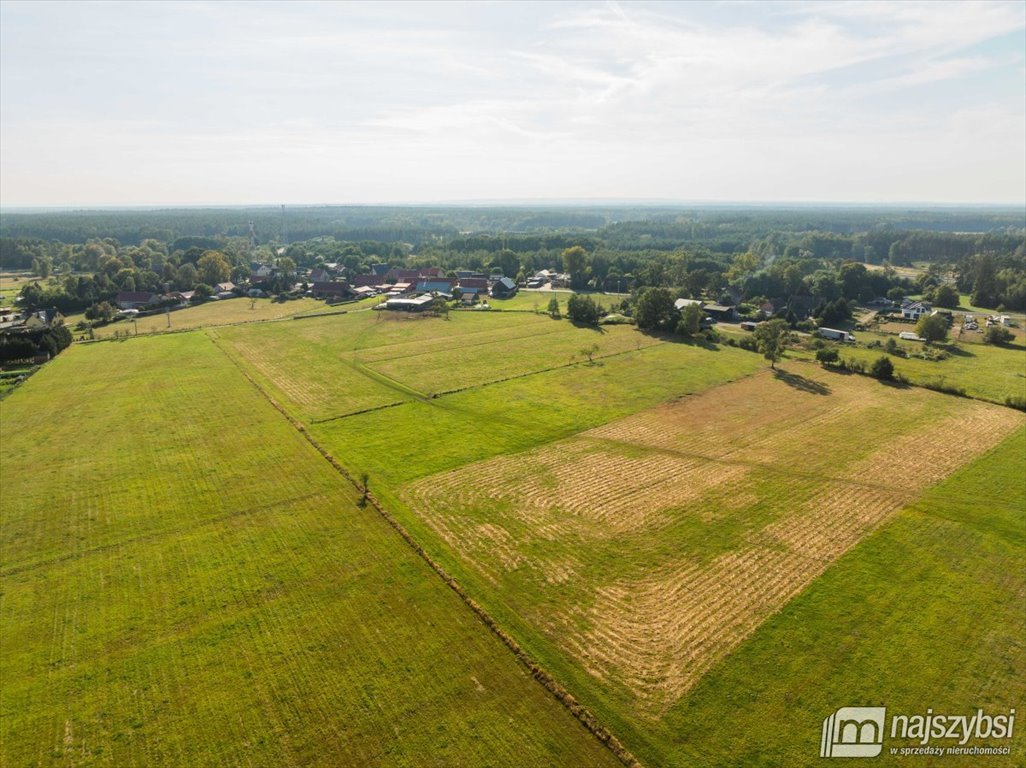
[211, 313]
[692, 544]
[927, 612]
[11, 284]
[325, 368]
[648, 549]
[186, 581]
[632, 540]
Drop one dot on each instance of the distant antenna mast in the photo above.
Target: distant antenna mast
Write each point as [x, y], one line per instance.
[284, 231]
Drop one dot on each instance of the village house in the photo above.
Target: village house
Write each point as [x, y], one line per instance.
[913, 310]
[135, 299]
[331, 290]
[503, 288]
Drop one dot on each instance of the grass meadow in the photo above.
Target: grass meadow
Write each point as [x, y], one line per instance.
[710, 556]
[186, 581]
[210, 313]
[984, 371]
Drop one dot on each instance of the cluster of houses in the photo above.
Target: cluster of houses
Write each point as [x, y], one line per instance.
[403, 289]
[412, 290]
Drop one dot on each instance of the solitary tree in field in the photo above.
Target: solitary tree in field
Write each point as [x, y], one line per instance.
[771, 339]
[932, 328]
[655, 310]
[589, 352]
[554, 308]
[582, 309]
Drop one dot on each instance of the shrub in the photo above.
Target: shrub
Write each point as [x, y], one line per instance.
[827, 356]
[882, 369]
[1016, 401]
[998, 334]
[749, 343]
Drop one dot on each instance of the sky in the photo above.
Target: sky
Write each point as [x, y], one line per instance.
[203, 103]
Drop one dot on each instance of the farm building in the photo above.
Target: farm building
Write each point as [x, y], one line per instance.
[473, 284]
[417, 304]
[748, 325]
[913, 310]
[681, 303]
[468, 297]
[135, 299]
[331, 290]
[503, 288]
[721, 312]
[436, 285]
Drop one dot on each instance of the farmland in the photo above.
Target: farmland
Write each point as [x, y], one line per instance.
[641, 524]
[926, 612]
[187, 581]
[211, 313]
[334, 366]
[982, 370]
[548, 531]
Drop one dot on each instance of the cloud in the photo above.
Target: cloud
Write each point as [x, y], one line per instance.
[700, 100]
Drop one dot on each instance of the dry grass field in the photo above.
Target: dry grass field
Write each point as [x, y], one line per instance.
[647, 549]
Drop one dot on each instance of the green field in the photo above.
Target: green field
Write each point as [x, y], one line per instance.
[211, 313]
[324, 368]
[186, 581]
[982, 370]
[711, 556]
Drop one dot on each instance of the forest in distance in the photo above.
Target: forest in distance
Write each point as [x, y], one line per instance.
[797, 257]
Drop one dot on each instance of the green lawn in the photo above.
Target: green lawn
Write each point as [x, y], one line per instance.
[983, 370]
[926, 613]
[187, 582]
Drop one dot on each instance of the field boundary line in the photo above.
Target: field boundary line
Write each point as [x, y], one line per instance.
[360, 412]
[546, 680]
[560, 367]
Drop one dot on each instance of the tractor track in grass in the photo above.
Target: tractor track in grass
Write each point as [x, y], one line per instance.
[546, 680]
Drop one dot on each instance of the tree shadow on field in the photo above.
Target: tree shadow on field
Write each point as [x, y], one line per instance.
[957, 351]
[801, 383]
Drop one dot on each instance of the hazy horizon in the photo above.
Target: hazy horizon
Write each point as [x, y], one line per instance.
[224, 104]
